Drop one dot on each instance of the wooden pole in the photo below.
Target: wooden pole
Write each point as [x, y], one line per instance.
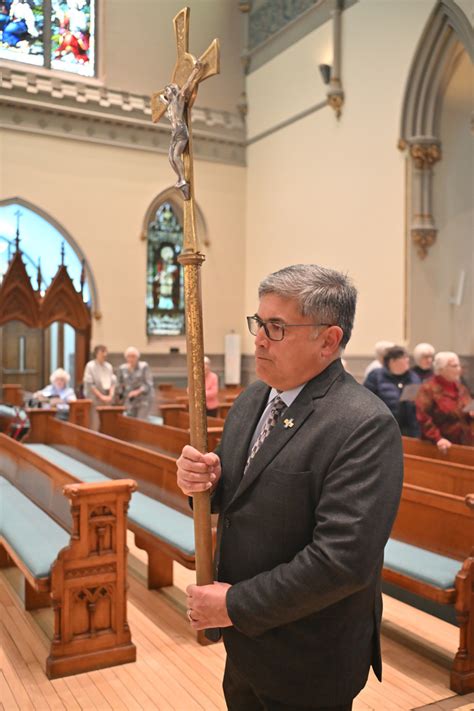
[191, 259]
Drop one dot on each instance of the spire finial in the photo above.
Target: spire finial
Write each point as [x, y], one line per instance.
[18, 214]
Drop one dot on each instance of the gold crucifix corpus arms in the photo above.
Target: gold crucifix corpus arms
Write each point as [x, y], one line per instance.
[177, 98]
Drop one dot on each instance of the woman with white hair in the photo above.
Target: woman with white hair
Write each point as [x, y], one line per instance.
[423, 354]
[380, 348]
[135, 384]
[441, 405]
[58, 393]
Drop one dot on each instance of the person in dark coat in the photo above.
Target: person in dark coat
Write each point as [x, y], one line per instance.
[423, 354]
[307, 481]
[388, 384]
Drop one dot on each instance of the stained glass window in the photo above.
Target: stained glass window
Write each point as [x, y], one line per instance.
[57, 34]
[72, 36]
[21, 31]
[165, 290]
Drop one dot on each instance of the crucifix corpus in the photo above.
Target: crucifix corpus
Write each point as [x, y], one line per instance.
[177, 99]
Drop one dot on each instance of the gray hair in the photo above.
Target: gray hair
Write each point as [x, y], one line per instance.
[421, 350]
[130, 350]
[323, 294]
[442, 359]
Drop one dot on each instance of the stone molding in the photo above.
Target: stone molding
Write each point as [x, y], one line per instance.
[78, 111]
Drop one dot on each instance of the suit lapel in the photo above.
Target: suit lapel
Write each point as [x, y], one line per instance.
[242, 434]
[299, 412]
[280, 435]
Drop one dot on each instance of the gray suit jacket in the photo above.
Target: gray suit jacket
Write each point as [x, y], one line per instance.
[301, 538]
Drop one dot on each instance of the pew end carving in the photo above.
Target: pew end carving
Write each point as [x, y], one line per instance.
[88, 583]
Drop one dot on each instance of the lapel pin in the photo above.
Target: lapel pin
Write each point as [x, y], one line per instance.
[288, 423]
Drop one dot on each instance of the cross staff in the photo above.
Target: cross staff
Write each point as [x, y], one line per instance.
[176, 100]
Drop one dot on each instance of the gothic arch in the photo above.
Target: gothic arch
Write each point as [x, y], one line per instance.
[447, 35]
[174, 197]
[95, 308]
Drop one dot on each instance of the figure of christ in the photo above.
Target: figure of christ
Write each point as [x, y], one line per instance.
[176, 101]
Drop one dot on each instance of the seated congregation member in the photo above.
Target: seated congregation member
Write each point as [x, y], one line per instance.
[441, 403]
[307, 480]
[423, 354]
[212, 389]
[135, 384]
[57, 394]
[381, 347]
[99, 383]
[388, 384]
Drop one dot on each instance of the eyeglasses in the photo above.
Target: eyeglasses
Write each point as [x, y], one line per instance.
[275, 330]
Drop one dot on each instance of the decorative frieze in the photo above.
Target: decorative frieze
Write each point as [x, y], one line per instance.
[86, 112]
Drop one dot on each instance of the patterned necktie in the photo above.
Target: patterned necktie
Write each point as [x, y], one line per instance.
[277, 406]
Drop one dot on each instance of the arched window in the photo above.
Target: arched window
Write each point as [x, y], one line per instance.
[46, 297]
[165, 290]
[56, 34]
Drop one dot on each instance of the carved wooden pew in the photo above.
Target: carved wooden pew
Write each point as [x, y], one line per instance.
[431, 555]
[450, 477]
[456, 454]
[12, 394]
[178, 416]
[159, 515]
[162, 438]
[69, 541]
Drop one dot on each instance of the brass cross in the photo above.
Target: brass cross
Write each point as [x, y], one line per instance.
[185, 63]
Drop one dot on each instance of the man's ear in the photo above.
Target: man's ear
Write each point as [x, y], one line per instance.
[332, 338]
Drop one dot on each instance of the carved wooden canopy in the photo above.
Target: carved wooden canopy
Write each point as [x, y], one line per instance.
[19, 301]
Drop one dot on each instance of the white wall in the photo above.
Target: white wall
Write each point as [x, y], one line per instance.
[100, 195]
[434, 280]
[334, 192]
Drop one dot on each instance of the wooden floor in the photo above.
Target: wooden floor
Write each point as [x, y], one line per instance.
[174, 673]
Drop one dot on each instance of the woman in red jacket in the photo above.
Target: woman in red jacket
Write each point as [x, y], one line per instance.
[441, 405]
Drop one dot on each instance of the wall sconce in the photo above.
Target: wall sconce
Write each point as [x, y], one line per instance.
[325, 70]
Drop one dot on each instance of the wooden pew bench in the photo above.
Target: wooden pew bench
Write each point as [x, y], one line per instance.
[177, 416]
[69, 542]
[159, 514]
[160, 438]
[446, 476]
[456, 454]
[430, 556]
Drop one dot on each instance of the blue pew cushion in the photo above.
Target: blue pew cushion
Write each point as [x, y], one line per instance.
[419, 564]
[173, 527]
[31, 533]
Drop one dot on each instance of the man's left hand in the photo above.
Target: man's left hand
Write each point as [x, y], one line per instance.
[207, 606]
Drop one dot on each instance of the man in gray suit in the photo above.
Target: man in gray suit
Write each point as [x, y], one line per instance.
[307, 481]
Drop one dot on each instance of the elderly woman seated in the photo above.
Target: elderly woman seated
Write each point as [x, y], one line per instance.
[423, 354]
[443, 405]
[135, 384]
[57, 394]
[389, 383]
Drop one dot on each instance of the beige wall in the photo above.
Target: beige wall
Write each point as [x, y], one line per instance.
[333, 192]
[434, 280]
[140, 47]
[100, 195]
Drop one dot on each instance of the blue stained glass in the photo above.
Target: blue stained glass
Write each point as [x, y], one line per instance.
[73, 36]
[21, 31]
[165, 284]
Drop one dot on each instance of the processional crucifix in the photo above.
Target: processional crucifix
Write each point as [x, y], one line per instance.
[177, 99]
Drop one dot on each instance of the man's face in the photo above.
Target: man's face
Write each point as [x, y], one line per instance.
[300, 356]
[101, 356]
